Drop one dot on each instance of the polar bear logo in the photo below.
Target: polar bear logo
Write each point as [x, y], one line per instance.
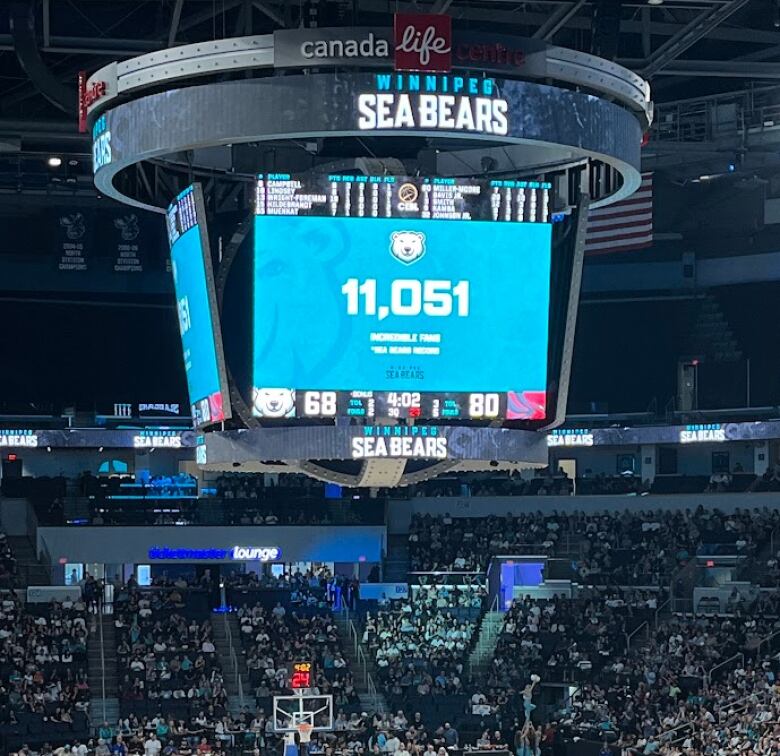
[274, 402]
[407, 246]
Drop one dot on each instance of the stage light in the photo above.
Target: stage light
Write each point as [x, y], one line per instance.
[54, 161]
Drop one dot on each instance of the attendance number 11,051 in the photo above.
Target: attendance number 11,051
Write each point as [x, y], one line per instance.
[408, 297]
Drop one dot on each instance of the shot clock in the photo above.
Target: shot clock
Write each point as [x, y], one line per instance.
[395, 297]
[302, 675]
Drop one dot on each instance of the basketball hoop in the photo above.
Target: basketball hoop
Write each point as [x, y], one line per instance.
[304, 730]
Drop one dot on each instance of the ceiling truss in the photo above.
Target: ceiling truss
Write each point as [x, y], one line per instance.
[687, 47]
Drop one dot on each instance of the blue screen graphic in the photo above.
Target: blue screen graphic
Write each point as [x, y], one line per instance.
[377, 304]
[196, 327]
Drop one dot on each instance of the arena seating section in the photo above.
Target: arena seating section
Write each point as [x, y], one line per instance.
[43, 671]
[163, 641]
[643, 673]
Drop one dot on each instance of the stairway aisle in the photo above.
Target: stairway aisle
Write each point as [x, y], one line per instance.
[370, 700]
[103, 709]
[222, 645]
[482, 654]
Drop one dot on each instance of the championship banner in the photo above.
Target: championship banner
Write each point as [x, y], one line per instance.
[127, 238]
[73, 236]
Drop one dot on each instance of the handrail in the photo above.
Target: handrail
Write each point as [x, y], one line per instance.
[745, 703]
[240, 692]
[353, 633]
[630, 635]
[658, 610]
[360, 654]
[708, 675]
[234, 659]
[767, 639]
[362, 659]
[372, 691]
[666, 733]
[102, 661]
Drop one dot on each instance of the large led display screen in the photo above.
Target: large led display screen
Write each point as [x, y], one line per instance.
[196, 305]
[393, 297]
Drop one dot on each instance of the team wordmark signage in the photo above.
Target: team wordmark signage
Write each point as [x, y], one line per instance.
[400, 442]
[433, 102]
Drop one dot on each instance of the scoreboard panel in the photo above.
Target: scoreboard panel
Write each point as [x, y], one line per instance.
[398, 297]
[199, 328]
[407, 197]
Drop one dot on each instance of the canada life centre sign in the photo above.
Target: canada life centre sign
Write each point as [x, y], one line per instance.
[420, 94]
[419, 42]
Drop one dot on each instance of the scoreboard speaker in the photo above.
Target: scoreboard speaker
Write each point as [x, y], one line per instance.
[12, 468]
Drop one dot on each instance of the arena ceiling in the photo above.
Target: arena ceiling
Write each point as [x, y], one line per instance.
[687, 48]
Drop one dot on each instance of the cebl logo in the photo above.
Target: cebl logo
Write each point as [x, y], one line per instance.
[423, 42]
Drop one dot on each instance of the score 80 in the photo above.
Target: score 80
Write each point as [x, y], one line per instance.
[319, 403]
[483, 405]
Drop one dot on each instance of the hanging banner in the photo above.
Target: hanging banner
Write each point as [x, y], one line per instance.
[127, 235]
[73, 240]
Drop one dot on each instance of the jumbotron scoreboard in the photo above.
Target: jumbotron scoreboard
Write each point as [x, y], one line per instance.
[401, 297]
[352, 313]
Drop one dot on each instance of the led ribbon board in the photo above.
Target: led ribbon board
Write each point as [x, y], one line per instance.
[561, 126]
[193, 281]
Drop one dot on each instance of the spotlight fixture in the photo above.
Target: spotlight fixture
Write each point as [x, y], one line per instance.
[655, 2]
[54, 161]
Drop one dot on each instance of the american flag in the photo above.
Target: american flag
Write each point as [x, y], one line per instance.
[623, 226]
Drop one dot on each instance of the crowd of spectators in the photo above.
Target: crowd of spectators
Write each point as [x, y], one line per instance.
[618, 548]
[165, 657]
[564, 639]
[43, 668]
[468, 593]
[685, 686]
[43, 653]
[273, 639]
[292, 499]
[551, 482]
[648, 683]
[419, 645]
[208, 733]
[769, 481]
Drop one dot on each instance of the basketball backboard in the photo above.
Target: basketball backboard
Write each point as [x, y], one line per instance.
[290, 711]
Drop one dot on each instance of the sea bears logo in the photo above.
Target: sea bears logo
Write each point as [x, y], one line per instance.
[407, 246]
[273, 402]
[128, 226]
[74, 225]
